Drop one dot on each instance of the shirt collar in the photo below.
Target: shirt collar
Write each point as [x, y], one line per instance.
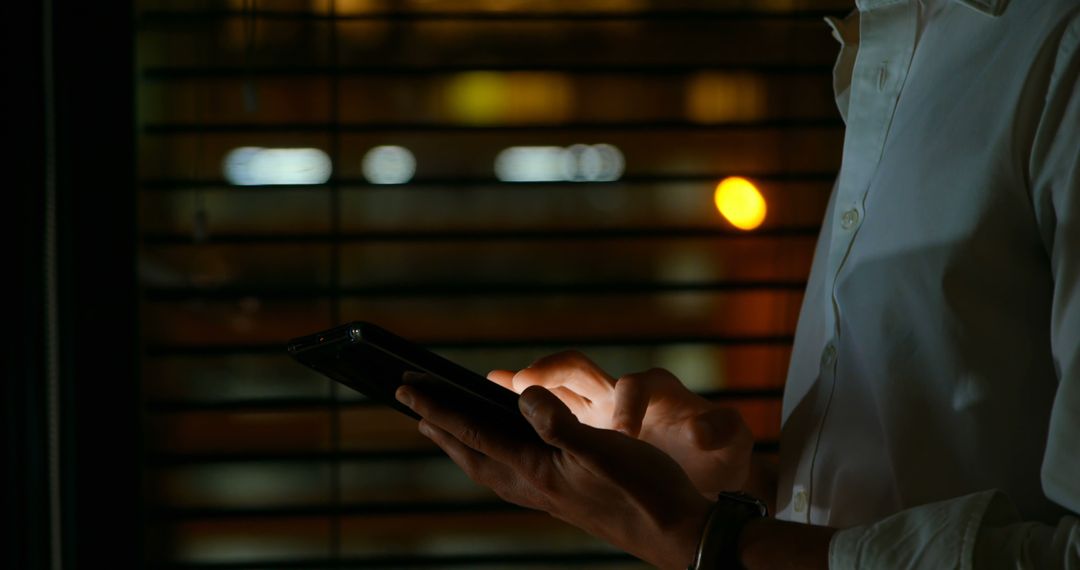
[988, 7]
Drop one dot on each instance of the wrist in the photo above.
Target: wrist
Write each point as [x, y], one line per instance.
[772, 543]
[720, 543]
[690, 535]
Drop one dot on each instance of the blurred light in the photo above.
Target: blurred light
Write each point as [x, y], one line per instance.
[389, 165]
[254, 166]
[576, 163]
[476, 97]
[699, 366]
[530, 164]
[740, 202]
[486, 97]
[345, 7]
[714, 97]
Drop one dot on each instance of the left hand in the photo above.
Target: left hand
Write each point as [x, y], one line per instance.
[617, 488]
[709, 441]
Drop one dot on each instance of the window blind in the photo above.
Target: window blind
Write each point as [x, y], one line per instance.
[496, 180]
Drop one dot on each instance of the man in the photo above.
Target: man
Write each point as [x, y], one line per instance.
[932, 408]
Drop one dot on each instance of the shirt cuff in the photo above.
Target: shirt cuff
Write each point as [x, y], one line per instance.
[936, 535]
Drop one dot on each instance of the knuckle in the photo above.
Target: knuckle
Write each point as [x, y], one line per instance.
[630, 382]
[660, 374]
[536, 363]
[548, 429]
[543, 479]
[469, 435]
[638, 384]
[575, 356]
[524, 378]
[561, 358]
[557, 357]
[543, 425]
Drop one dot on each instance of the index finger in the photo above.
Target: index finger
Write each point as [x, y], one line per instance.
[504, 378]
[571, 370]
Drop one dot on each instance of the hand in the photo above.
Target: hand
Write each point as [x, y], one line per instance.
[613, 486]
[711, 443]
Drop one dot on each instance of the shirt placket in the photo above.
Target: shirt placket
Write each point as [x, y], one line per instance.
[887, 32]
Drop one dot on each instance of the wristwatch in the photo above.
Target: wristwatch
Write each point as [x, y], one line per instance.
[719, 545]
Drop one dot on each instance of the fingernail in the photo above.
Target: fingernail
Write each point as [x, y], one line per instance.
[425, 429]
[404, 395]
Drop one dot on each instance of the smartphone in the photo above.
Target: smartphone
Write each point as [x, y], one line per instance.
[372, 361]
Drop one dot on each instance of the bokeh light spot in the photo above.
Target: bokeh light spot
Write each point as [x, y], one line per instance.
[388, 164]
[740, 202]
[576, 163]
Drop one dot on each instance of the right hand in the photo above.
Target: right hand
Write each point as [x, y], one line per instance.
[617, 488]
[712, 443]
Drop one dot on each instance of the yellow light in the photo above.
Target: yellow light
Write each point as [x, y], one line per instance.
[478, 97]
[490, 97]
[740, 202]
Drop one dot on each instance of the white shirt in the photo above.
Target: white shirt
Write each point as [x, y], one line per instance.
[935, 375]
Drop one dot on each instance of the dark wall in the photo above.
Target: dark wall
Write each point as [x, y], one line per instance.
[73, 123]
[23, 398]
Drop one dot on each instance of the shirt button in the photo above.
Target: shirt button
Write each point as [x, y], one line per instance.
[800, 501]
[849, 219]
[828, 356]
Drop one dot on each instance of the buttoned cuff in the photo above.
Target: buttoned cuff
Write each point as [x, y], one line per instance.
[936, 535]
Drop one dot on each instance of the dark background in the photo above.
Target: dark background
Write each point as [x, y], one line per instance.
[187, 439]
[80, 143]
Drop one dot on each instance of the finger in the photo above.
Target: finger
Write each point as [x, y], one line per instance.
[577, 404]
[716, 428]
[480, 468]
[504, 378]
[477, 465]
[631, 402]
[554, 422]
[570, 369]
[479, 434]
[604, 452]
[635, 393]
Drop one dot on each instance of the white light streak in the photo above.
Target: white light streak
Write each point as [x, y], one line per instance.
[576, 163]
[257, 166]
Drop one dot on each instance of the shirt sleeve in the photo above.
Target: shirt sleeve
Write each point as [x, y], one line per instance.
[983, 530]
[1055, 192]
[980, 530]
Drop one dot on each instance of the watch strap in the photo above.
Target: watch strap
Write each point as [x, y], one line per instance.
[719, 545]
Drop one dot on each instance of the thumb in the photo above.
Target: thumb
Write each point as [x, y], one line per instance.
[716, 428]
[551, 419]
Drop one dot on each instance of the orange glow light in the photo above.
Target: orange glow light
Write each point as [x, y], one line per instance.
[713, 97]
[740, 202]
